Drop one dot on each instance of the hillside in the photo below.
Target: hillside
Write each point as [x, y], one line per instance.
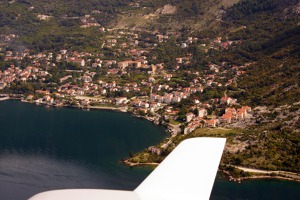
[45, 25]
[236, 61]
[103, 10]
[174, 14]
[273, 78]
[269, 33]
[268, 29]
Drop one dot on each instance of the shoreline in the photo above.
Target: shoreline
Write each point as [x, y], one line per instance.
[107, 108]
[276, 175]
[264, 174]
[257, 177]
[167, 127]
[131, 164]
[13, 97]
[77, 107]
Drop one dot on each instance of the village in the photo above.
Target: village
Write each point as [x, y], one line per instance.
[171, 94]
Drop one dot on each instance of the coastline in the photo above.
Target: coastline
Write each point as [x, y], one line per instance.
[131, 164]
[263, 174]
[107, 108]
[169, 129]
[79, 107]
[253, 176]
[256, 174]
[5, 97]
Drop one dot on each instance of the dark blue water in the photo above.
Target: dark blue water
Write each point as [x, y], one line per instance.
[255, 190]
[49, 148]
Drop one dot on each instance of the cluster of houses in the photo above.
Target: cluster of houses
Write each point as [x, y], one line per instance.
[231, 115]
[95, 88]
[199, 122]
[13, 73]
[220, 42]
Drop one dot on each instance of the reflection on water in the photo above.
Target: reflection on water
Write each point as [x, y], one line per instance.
[43, 172]
[43, 149]
[29, 174]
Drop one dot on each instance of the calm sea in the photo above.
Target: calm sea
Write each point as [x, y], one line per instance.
[57, 148]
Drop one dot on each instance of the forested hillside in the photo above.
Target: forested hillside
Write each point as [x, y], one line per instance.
[23, 10]
[271, 41]
[45, 25]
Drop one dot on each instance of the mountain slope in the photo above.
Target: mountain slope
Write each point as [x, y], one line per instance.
[174, 14]
[271, 40]
[23, 16]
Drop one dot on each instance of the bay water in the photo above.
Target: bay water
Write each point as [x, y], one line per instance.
[61, 148]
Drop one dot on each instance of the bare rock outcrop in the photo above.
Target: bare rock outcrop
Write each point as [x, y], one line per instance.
[166, 10]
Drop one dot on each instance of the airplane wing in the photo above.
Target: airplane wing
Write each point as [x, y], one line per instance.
[188, 173]
[86, 194]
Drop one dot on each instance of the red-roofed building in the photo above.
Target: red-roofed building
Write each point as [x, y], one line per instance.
[212, 122]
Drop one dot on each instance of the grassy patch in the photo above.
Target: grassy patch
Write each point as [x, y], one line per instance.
[214, 132]
[145, 157]
[174, 122]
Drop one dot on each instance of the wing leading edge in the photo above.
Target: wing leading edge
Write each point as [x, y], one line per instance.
[188, 173]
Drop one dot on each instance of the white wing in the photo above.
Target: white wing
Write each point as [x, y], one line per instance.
[188, 173]
[86, 194]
